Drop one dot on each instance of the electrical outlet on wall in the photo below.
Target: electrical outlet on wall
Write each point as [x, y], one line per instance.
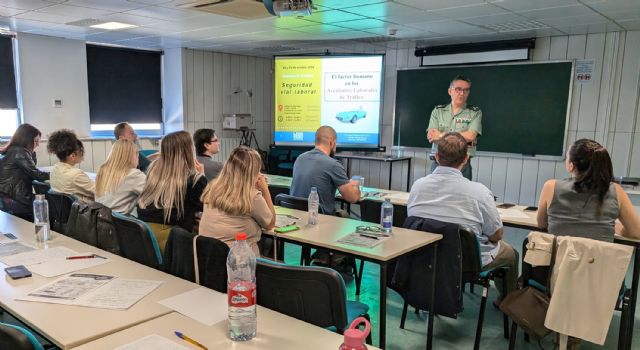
[57, 103]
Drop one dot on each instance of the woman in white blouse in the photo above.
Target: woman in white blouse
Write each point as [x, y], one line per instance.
[119, 182]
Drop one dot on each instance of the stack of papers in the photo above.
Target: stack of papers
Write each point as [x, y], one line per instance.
[49, 262]
[152, 341]
[512, 213]
[15, 247]
[358, 240]
[201, 304]
[283, 220]
[90, 290]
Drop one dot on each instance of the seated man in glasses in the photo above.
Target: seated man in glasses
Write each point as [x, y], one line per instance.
[456, 116]
[207, 144]
[445, 195]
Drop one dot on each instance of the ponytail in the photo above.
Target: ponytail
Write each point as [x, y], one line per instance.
[593, 167]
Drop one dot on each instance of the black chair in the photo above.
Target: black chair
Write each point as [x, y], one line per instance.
[59, 209]
[137, 240]
[370, 212]
[459, 262]
[299, 203]
[17, 338]
[40, 187]
[212, 259]
[286, 167]
[316, 295]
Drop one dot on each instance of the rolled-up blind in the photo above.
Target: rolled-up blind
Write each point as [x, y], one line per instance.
[8, 99]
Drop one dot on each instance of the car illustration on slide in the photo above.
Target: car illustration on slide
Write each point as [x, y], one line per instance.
[351, 116]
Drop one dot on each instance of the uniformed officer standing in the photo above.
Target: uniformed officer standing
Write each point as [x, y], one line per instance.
[457, 116]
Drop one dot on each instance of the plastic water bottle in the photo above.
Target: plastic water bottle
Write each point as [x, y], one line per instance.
[241, 290]
[353, 337]
[41, 218]
[386, 216]
[314, 204]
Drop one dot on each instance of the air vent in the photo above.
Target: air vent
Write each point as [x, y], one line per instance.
[245, 9]
[87, 22]
[516, 26]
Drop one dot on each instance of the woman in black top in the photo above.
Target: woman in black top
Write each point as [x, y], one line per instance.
[18, 170]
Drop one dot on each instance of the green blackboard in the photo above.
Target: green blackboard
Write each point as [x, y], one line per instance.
[524, 106]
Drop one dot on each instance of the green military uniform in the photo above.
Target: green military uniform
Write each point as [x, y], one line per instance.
[467, 119]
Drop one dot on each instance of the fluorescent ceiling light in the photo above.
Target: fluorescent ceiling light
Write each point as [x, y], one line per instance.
[113, 25]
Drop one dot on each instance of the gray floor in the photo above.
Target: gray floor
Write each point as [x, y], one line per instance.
[451, 333]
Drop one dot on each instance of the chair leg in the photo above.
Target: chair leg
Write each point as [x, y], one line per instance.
[358, 275]
[512, 338]
[404, 314]
[483, 306]
[505, 318]
[369, 339]
[624, 333]
[305, 256]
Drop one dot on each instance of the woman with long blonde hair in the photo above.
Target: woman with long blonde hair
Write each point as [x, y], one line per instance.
[175, 181]
[119, 182]
[238, 200]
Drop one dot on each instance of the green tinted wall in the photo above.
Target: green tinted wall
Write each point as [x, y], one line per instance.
[524, 106]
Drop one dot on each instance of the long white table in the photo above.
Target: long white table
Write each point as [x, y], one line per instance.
[69, 326]
[331, 228]
[274, 331]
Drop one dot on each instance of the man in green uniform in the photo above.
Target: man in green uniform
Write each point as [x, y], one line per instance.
[457, 116]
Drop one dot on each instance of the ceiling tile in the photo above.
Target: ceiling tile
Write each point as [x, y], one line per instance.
[527, 5]
[340, 4]
[496, 19]
[403, 32]
[25, 4]
[575, 20]
[110, 5]
[164, 13]
[471, 11]
[152, 2]
[46, 17]
[8, 11]
[291, 22]
[321, 29]
[633, 24]
[74, 11]
[439, 4]
[557, 12]
[332, 16]
[368, 23]
[131, 19]
[449, 27]
[391, 11]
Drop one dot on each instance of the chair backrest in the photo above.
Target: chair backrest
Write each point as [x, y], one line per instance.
[59, 209]
[40, 187]
[471, 257]
[212, 258]
[312, 294]
[291, 202]
[411, 277]
[17, 338]
[148, 152]
[91, 223]
[137, 241]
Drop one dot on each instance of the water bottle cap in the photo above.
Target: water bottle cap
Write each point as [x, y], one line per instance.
[354, 338]
[40, 196]
[314, 189]
[241, 236]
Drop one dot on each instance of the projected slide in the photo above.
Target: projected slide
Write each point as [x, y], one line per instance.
[342, 92]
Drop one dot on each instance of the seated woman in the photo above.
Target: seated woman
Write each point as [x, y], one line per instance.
[119, 182]
[587, 204]
[175, 182]
[65, 176]
[238, 200]
[18, 170]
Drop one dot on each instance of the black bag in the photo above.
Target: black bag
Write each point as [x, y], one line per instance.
[528, 307]
[91, 223]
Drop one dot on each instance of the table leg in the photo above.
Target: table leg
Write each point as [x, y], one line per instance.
[432, 297]
[390, 173]
[409, 177]
[383, 305]
[634, 294]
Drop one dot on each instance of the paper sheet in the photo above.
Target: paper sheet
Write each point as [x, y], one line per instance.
[62, 266]
[13, 248]
[201, 304]
[152, 342]
[7, 238]
[400, 196]
[358, 240]
[91, 290]
[38, 256]
[512, 213]
[283, 220]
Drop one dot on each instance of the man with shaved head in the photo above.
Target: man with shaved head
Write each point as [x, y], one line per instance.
[317, 168]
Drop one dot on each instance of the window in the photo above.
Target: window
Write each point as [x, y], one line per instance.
[9, 120]
[124, 86]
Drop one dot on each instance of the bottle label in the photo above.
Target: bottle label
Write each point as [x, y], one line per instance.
[244, 298]
[386, 223]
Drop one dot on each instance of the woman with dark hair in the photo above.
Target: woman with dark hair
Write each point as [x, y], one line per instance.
[587, 204]
[65, 176]
[18, 170]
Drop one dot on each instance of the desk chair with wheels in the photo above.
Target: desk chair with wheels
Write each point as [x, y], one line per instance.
[458, 262]
[137, 242]
[316, 295]
[17, 338]
[59, 209]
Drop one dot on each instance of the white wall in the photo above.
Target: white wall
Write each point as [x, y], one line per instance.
[54, 68]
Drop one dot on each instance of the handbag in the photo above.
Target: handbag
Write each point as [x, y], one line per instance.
[528, 307]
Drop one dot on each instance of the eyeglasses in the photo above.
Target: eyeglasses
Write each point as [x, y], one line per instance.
[461, 90]
[368, 229]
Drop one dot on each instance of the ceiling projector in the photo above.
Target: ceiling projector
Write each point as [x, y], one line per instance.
[283, 8]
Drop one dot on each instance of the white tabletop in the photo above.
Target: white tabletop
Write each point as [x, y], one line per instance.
[69, 326]
[275, 331]
[331, 228]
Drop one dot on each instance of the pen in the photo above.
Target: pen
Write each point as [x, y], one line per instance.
[368, 236]
[82, 257]
[189, 340]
